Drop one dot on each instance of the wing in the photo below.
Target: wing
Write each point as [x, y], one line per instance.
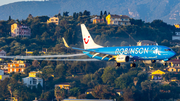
[94, 52]
[45, 56]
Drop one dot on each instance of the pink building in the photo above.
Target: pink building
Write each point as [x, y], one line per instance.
[20, 30]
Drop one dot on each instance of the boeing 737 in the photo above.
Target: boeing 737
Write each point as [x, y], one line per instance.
[122, 54]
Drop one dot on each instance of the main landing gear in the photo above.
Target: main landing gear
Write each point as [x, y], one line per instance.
[165, 64]
[118, 64]
[132, 64]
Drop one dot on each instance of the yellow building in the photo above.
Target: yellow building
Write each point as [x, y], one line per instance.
[157, 75]
[34, 73]
[118, 20]
[173, 69]
[63, 85]
[14, 27]
[28, 53]
[53, 20]
[97, 19]
[174, 62]
[177, 25]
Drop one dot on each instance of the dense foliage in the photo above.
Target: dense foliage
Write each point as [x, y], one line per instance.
[103, 77]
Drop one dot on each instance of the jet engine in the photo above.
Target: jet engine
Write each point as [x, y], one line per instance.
[122, 58]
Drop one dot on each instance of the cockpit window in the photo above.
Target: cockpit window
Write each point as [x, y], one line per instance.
[167, 49]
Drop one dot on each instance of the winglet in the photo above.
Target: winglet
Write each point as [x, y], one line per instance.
[65, 43]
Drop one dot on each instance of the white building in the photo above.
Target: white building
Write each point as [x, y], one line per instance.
[1, 72]
[177, 36]
[2, 53]
[32, 81]
[146, 43]
[2, 76]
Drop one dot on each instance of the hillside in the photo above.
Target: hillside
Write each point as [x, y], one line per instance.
[167, 10]
[104, 78]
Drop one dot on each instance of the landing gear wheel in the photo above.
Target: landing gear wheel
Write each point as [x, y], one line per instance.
[153, 61]
[118, 64]
[133, 65]
[165, 64]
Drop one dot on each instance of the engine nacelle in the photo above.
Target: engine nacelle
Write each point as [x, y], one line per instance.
[122, 58]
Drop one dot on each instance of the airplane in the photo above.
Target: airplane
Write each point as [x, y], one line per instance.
[122, 54]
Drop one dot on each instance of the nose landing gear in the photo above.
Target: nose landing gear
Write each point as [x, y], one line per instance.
[118, 64]
[133, 64]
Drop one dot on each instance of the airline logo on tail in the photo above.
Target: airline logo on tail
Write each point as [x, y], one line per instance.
[86, 41]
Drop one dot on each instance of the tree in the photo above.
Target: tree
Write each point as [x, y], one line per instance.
[124, 43]
[123, 81]
[75, 15]
[43, 63]
[101, 14]
[85, 96]
[87, 78]
[30, 16]
[86, 13]
[105, 13]
[165, 42]
[35, 63]
[45, 35]
[9, 18]
[80, 14]
[16, 94]
[60, 70]
[17, 76]
[60, 93]
[109, 75]
[132, 94]
[35, 53]
[47, 96]
[103, 92]
[74, 91]
[10, 88]
[128, 94]
[48, 70]
[39, 89]
[58, 33]
[150, 90]
[174, 89]
[57, 93]
[142, 76]
[65, 13]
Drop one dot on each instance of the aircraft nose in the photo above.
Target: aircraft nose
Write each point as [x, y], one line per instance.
[173, 53]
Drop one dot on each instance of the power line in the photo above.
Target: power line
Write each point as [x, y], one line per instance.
[130, 36]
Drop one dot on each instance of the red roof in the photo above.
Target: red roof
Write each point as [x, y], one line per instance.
[120, 16]
[174, 61]
[176, 67]
[88, 90]
[63, 84]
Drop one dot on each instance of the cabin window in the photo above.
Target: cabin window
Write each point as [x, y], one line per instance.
[167, 49]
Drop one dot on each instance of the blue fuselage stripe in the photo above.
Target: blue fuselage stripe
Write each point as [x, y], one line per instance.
[137, 52]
